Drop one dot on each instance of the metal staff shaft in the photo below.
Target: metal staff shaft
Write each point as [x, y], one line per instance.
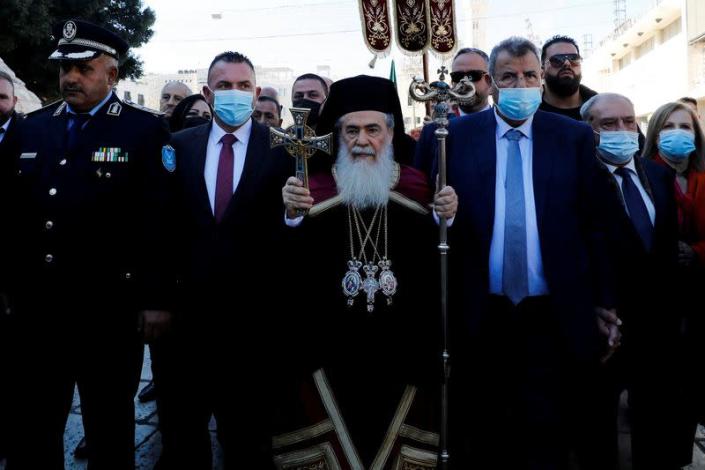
[443, 94]
[441, 134]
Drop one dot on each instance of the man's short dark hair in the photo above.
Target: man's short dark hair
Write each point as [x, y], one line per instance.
[516, 47]
[231, 58]
[269, 98]
[6, 76]
[313, 76]
[472, 50]
[555, 40]
[685, 99]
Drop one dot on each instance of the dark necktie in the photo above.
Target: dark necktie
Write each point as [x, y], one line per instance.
[515, 275]
[224, 182]
[636, 207]
[78, 123]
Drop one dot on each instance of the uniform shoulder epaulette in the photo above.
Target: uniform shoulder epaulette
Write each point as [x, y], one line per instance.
[51, 107]
[139, 107]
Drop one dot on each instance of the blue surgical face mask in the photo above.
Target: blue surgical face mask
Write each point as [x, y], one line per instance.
[518, 104]
[676, 144]
[618, 147]
[233, 107]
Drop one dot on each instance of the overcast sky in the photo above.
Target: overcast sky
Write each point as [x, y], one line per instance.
[304, 33]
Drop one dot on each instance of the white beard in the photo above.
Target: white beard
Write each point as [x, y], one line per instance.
[364, 182]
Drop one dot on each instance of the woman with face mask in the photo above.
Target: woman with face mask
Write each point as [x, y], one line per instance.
[192, 111]
[676, 139]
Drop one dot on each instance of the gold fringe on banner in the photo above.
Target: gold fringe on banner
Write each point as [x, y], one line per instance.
[443, 28]
[376, 26]
[412, 26]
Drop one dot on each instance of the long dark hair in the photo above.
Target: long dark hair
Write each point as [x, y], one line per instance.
[176, 122]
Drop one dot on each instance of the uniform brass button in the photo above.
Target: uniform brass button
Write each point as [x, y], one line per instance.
[52, 192]
[108, 175]
[49, 224]
[49, 258]
[62, 162]
[128, 275]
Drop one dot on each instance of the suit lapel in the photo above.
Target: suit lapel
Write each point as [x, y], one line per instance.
[195, 161]
[250, 170]
[542, 164]
[486, 160]
[57, 131]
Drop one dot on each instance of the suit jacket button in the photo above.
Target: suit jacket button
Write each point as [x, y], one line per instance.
[62, 162]
[49, 224]
[49, 258]
[108, 175]
[128, 275]
[52, 192]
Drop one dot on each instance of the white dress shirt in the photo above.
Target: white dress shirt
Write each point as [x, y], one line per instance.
[635, 178]
[537, 279]
[210, 172]
[5, 126]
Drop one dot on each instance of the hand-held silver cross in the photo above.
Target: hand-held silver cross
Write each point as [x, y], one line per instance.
[301, 143]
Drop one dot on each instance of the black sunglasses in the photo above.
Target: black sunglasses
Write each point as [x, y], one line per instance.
[473, 75]
[559, 59]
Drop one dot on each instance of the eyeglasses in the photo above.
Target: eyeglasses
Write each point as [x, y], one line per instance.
[559, 59]
[473, 75]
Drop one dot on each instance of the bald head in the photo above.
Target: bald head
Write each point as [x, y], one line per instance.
[172, 94]
[269, 91]
[609, 112]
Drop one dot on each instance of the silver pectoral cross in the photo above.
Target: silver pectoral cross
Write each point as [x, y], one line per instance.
[300, 142]
[370, 285]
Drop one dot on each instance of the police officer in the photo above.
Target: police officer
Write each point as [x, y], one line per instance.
[89, 281]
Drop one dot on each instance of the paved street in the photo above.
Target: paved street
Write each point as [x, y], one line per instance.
[148, 441]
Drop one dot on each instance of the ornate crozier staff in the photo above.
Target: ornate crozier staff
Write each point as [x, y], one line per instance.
[443, 95]
[301, 143]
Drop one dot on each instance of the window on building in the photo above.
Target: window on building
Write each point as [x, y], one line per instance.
[624, 62]
[671, 30]
[407, 121]
[140, 99]
[644, 48]
[127, 96]
[418, 120]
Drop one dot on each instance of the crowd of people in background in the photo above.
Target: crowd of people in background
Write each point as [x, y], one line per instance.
[578, 252]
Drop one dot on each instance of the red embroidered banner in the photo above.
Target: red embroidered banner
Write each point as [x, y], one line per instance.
[376, 27]
[442, 25]
[412, 25]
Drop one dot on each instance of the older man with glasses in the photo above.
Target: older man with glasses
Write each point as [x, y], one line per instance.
[561, 70]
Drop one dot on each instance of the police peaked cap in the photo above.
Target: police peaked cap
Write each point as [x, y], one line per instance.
[81, 40]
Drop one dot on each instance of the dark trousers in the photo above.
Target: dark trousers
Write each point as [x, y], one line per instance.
[8, 345]
[511, 398]
[204, 370]
[100, 351]
[646, 367]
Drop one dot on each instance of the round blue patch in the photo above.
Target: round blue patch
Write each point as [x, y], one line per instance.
[169, 158]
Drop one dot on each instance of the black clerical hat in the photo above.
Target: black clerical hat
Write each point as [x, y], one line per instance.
[365, 93]
[81, 40]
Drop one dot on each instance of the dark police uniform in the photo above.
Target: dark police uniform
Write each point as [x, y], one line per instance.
[84, 264]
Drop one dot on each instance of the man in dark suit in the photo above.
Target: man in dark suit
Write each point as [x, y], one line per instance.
[9, 122]
[84, 263]
[9, 119]
[640, 208]
[226, 189]
[525, 271]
